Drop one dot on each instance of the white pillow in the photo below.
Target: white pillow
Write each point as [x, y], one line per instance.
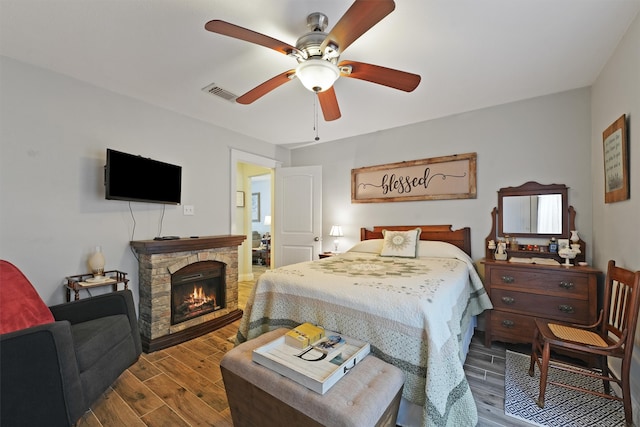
[400, 243]
[372, 246]
[437, 249]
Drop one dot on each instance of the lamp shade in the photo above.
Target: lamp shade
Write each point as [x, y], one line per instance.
[317, 75]
[336, 231]
[267, 220]
[96, 262]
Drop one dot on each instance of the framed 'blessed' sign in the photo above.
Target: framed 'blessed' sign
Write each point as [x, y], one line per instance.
[437, 178]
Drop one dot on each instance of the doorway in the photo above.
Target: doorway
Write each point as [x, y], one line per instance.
[252, 193]
[295, 206]
[261, 220]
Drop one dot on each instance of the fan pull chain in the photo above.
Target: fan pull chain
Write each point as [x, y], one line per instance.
[315, 116]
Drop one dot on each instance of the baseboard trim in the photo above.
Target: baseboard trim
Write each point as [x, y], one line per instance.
[151, 345]
[249, 277]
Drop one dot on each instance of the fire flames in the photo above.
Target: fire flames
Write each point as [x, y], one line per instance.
[189, 304]
[198, 298]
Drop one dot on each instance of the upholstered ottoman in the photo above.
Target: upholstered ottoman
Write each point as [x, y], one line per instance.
[369, 395]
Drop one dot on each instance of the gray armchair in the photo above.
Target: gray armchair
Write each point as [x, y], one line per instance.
[52, 373]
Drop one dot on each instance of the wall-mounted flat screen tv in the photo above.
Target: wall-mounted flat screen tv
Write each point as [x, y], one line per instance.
[136, 178]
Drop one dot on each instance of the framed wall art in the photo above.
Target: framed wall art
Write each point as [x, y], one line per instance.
[616, 162]
[240, 199]
[437, 178]
[255, 207]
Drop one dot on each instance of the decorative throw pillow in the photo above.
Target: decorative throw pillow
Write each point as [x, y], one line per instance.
[400, 243]
[20, 305]
[373, 246]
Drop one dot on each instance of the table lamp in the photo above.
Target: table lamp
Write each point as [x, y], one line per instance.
[336, 231]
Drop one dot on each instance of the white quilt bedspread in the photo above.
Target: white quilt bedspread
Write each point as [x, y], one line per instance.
[411, 310]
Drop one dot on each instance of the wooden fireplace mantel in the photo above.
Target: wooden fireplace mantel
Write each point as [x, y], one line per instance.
[186, 244]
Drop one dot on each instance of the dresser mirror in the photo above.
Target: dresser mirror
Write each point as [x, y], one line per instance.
[530, 215]
[533, 210]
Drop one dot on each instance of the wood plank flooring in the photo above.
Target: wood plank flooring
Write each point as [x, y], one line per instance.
[182, 386]
[484, 368]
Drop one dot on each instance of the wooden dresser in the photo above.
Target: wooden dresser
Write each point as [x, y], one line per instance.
[522, 292]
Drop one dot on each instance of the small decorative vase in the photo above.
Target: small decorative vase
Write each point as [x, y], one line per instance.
[574, 236]
[568, 254]
[96, 262]
[501, 252]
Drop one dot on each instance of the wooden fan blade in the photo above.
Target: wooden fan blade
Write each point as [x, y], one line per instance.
[232, 30]
[329, 104]
[361, 16]
[396, 79]
[266, 87]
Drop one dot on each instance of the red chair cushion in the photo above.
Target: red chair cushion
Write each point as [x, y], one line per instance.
[20, 305]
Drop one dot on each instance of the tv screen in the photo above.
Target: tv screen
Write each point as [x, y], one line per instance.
[135, 178]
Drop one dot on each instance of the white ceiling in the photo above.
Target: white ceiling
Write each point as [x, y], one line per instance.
[470, 53]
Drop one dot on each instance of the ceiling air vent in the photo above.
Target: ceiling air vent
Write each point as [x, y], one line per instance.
[216, 90]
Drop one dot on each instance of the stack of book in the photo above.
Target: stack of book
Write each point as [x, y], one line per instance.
[304, 335]
[313, 342]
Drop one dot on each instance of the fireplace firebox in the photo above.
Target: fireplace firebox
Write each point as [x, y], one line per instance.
[197, 289]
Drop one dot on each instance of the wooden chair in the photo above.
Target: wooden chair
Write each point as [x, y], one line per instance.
[611, 336]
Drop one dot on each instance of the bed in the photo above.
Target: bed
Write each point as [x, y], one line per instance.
[418, 313]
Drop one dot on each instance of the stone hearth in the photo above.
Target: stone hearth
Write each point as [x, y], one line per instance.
[158, 260]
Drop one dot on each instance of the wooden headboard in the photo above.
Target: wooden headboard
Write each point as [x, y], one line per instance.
[460, 238]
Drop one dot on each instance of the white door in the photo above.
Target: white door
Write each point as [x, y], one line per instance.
[298, 214]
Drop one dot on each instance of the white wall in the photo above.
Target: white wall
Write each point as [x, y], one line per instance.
[616, 227]
[617, 92]
[53, 138]
[546, 139]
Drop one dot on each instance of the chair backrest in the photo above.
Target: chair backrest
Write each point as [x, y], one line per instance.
[621, 305]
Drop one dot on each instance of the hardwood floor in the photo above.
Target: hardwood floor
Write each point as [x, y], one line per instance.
[484, 368]
[244, 288]
[182, 386]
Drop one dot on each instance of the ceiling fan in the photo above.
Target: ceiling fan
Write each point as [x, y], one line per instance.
[318, 55]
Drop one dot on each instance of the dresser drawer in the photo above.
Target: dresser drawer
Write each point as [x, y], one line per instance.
[561, 308]
[511, 327]
[557, 282]
[521, 293]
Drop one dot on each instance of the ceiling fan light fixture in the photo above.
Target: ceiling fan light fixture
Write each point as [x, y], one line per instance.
[317, 75]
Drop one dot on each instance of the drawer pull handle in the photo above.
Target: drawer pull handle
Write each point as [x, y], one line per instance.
[565, 308]
[508, 300]
[566, 285]
[508, 323]
[508, 279]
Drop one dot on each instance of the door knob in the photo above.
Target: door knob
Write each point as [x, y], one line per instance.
[316, 239]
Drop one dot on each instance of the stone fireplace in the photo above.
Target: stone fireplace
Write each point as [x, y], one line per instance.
[210, 263]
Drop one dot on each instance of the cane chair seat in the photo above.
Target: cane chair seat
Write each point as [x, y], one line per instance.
[581, 336]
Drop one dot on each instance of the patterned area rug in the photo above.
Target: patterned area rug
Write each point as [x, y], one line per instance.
[563, 407]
